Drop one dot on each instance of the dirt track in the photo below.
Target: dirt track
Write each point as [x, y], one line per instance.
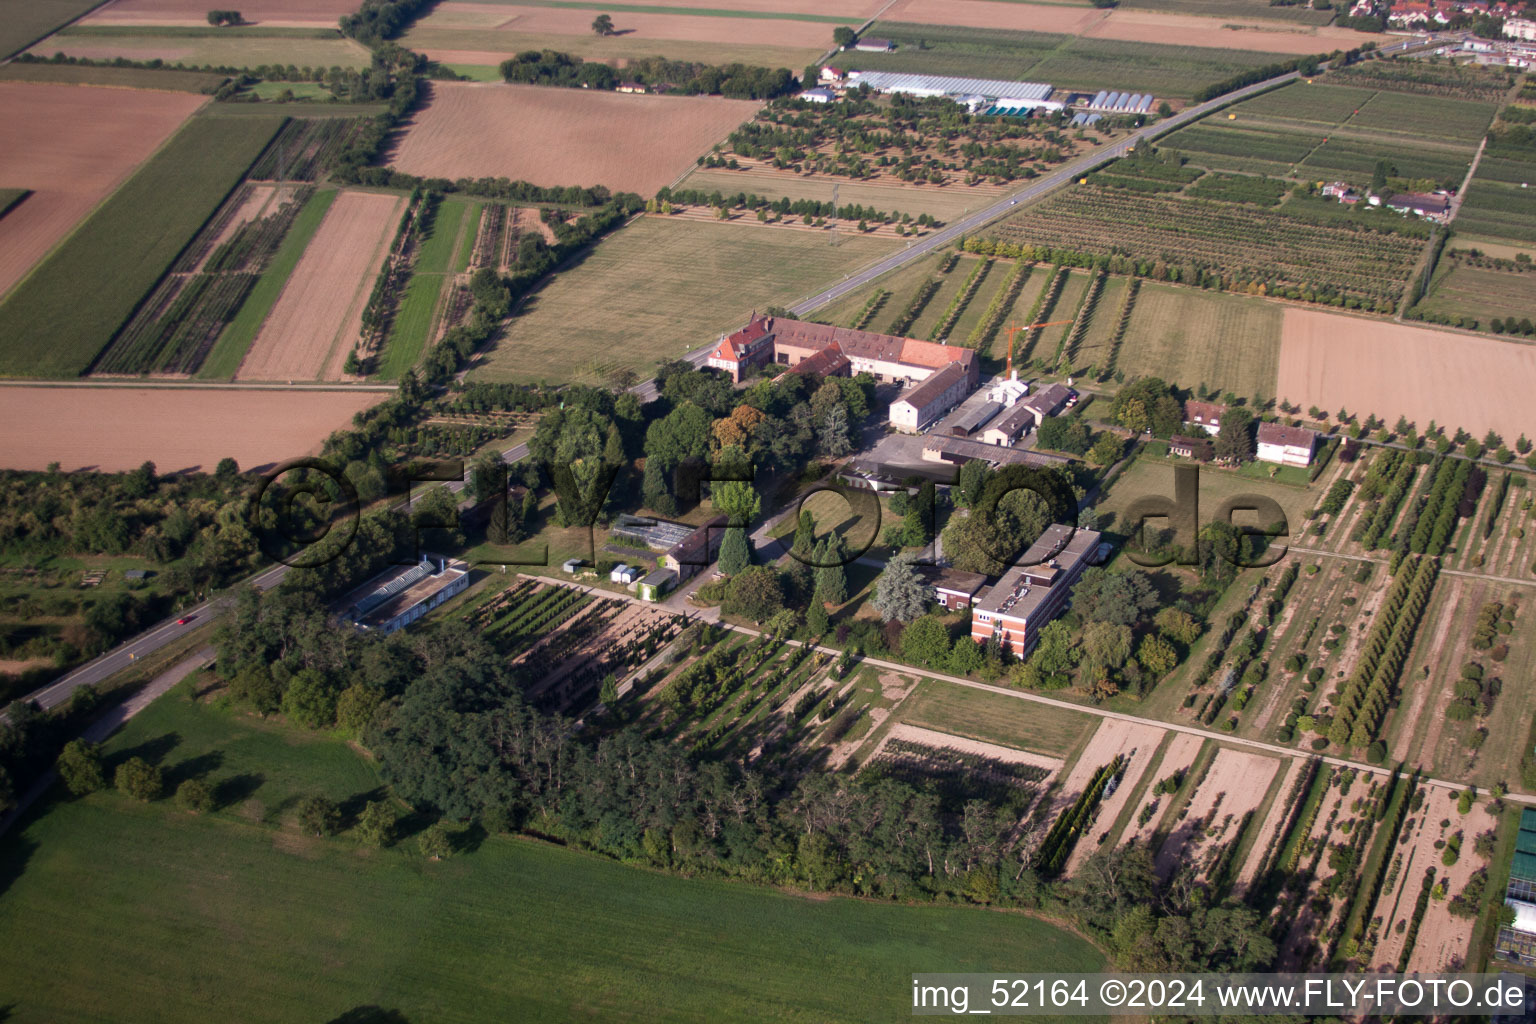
[1392, 369]
[72, 145]
[316, 320]
[553, 136]
[115, 429]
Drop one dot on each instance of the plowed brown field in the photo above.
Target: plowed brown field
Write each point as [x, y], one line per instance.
[553, 136]
[316, 320]
[72, 145]
[115, 429]
[1391, 369]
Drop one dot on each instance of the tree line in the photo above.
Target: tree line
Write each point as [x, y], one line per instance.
[737, 81]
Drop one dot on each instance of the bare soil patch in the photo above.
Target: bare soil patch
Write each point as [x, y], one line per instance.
[1392, 369]
[552, 136]
[1110, 807]
[117, 429]
[71, 145]
[318, 316]
[1234, 785]
[272, 13]
[1114, 737]
[1278, 812]
[1181, 753]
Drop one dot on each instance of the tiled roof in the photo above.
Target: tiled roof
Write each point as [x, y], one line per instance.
[1289, 437]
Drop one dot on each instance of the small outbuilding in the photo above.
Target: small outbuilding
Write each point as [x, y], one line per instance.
[657, 585]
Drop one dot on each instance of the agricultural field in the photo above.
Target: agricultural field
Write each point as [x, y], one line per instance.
[70, 146]
[193, 13]
[125, 245]
[946, 203]
[586, 137]
[416, 323]
[226, 48]
[1392, 369]
[1244, 25]
[1190, 337]
[1066, 61]
[115, 429]
[125, 78]
[317, 318]
[767, 35]
[657, 288]
[23, 22]
[250, 861]
[1502, 211]
[1461, 288]
[1242, 244]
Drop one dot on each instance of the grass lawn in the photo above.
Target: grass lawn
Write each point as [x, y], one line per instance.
[656, 288]
[230, 349]
[476, 72]
[412, 325]
[431, 35]
[901, 284]
[87, 288]
[216, 907]
[220, 49]
[23, 22]
[467, 239]
[300, 90]
[1155, 477]
[131, 78]
[1189, 337]
[994, 718]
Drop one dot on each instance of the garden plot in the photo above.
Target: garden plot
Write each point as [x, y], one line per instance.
[1442, 939]
[1312, 907]
[1181, 753]
[317, 318]
[1279, 812]
[1234, 785]
[1110, 806]
[1114, 738]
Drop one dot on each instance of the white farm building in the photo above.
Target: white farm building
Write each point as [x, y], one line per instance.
[995, 94]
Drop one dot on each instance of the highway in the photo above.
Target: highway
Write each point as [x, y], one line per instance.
[125, 654]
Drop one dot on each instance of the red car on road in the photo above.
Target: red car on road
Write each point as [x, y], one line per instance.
[184, 620]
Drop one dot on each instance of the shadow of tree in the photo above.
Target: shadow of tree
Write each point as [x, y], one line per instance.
[193, 767]
[237, 789]
[153, 751]
[353, 805]
[370, 1015]
[14, 855]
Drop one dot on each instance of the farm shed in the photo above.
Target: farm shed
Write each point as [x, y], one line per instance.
[972, 420]
[657, 585]
[395, 599]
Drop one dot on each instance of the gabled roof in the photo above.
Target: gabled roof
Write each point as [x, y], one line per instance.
[1288, 437]
[1203, 412]
[826, 363]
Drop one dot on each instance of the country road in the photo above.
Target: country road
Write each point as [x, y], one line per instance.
[153, 639]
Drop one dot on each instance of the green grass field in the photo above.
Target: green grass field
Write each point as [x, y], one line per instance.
[409, 333]
[1189, 337]
[1155, 477]
[131, 78]
[23, 22]
[467, 239]
[901, 284]
[698, 12]
[994, 718]
[230, 349]
[1234, 9]
[235, 915]
[656, 288]
[220, 50]
[56, 321]
[300, 90]
[1068, 62]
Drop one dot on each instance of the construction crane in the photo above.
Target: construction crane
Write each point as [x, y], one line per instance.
[1013, 333]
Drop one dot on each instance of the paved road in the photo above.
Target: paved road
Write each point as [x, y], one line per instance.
[124, 655]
